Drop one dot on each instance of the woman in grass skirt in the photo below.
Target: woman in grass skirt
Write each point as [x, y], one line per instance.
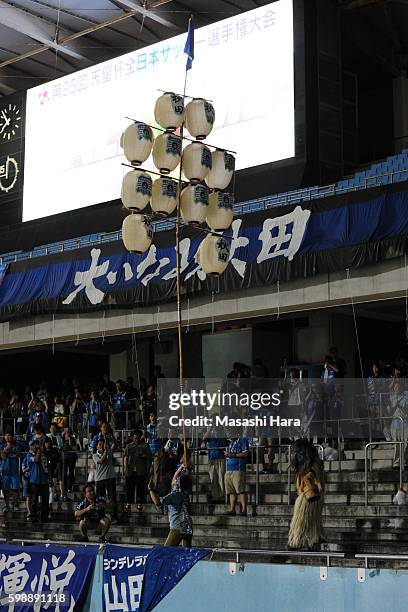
[306, 526]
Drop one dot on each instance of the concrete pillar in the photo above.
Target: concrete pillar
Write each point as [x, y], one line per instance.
[400, 91]
[118, 366]
[166, 355]
[343, 335]
[193, 361]
[143, 349]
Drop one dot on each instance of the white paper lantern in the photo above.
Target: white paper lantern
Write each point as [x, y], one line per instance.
[219, 213]
[164, 196]
[136, 190]
[223, 166]
[137, 142]
[169, 111]
[196, 161]
[167, 152]
[194, 203]
[213, 254]
[200, 117]
[137, 233]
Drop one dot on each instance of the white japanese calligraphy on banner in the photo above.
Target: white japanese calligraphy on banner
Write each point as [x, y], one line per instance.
[123, 578]
[279, 237]
[42, 580]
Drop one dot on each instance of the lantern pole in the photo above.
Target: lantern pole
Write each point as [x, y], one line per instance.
[178, 284]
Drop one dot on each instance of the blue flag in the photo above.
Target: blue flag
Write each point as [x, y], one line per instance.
[189, 46]
[3, 270]
[165, 567]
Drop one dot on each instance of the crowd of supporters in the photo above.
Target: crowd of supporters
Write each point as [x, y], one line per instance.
[113, 426]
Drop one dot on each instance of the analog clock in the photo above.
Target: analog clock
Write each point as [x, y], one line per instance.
[10, 122]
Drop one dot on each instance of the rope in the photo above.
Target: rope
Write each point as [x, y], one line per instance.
[188, 316]
[135, 360]
[355, 324]
[53, 333]
[278, 311]
[212, 312]
[76, 329]
[406, 299]
[158, 324]
[103, 327]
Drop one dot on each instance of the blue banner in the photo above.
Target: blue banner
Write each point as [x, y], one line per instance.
[123, 571]
[165, 567]
[281, 244]
[45, 577]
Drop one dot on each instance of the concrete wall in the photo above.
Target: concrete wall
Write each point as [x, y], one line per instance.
[287, 589]
[380, 282]
[209, 587]
[118, 366]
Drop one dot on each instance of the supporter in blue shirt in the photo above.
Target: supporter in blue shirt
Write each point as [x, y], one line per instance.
[216, 465]
[38, 419]
[91, 512]
[173, 447]
[106, 435]
[237, 455]
[10, 480]
[155, 443]
[177, 505]
[328, 374]
[36, 465]
[93, 412]
[119, 404]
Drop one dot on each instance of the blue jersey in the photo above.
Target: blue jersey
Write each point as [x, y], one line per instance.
[98, 511]
[38, 472]
[31, 421]
[10, 467]
[109, 439]
[94, 411]
[155, 443]
[119, 402]
[216, 448]
[237, 464]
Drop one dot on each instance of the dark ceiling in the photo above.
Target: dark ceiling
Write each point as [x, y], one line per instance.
[375, 37]
[41, 40]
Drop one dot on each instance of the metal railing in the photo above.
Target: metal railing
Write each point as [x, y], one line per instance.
[401, 444]
[258, 451]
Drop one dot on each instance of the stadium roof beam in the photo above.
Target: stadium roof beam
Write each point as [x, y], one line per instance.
[69, 38]
[88, 20]
[38, 29]
[6, 89]
[10, 79]
[134, 5]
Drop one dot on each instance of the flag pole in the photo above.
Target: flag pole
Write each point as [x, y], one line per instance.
[189, 49]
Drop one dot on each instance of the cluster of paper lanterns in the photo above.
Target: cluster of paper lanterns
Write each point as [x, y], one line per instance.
[209, 172]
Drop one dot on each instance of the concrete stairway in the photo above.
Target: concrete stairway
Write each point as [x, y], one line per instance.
[350, 526]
